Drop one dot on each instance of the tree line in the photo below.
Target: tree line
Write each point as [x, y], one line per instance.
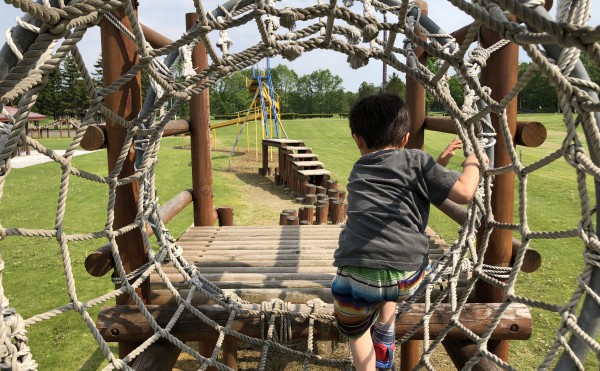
[320, 92]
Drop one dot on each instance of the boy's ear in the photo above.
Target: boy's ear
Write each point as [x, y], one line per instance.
[360, 143]
[405, 139]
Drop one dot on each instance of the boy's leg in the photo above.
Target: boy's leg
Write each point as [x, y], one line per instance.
[363, 353]
[384, 336]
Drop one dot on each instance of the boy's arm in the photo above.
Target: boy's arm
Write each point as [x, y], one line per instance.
[464, 189]
[448, 152]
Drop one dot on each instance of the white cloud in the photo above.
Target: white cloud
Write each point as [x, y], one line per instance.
[168, 18]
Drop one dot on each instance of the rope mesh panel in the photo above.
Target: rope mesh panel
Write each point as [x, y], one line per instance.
[282, 29]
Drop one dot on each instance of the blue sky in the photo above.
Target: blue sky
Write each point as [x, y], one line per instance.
[168, 18]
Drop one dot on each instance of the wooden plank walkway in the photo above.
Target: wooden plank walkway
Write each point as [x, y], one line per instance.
[258, 263]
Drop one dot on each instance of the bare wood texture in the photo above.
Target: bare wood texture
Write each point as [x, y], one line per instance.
[415, 102]
[294, 262]
[200, 140]
[160, 356]
[100, 262]
[460, 351]
[119, 55]
[225, 216]
[154, 38]
[528, 134]
[126, 323]
[500, 74]
[95, 135]
[532, 260]
[94, 138]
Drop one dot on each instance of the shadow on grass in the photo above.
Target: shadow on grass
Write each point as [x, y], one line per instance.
[95, 361]
[264, 183]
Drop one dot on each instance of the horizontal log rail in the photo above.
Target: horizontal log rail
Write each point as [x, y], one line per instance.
[529, 133]
[126, 323]
[154, 38]
[95, 135]
[100, 262]
[532, 261]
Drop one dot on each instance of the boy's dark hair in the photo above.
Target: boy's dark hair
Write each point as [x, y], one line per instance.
[381, 120]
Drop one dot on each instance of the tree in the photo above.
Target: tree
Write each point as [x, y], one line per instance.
[592, 70]
[49, 101]
[456, 90]
[75, 98]
[366, 88]
[537, 95]
[98, 74]
[395, 85]
[229, 95]
[284, 82]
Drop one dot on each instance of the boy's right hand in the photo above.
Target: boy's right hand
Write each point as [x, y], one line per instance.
[448, 152]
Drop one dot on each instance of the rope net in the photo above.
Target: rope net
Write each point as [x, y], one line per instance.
[282, 29]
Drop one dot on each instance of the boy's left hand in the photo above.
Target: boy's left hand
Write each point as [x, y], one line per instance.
[448, 152]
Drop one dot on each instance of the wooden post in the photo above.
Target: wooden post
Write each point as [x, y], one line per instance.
[225, 215]
[500, 74]
[415, 102]
[126, 102]
[200, 140]
[201, 156]
[322, 211]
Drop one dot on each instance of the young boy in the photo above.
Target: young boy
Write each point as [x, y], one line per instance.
[383, 252]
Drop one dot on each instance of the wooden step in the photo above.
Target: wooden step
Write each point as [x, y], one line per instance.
[280, 142]
[302, 155]
[313, 172]
[296, 148]
[306, 163]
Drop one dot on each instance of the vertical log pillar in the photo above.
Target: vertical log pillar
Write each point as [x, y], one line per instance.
[415, 102]
[200, 141]
[125, 102]
[202, 187]
[500, 74]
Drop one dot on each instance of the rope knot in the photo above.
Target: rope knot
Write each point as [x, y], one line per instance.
[291, 51]
[288, 18]
[370, 32]
[358, 58]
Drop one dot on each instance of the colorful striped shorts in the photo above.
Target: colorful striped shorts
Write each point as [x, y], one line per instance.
[358, 292]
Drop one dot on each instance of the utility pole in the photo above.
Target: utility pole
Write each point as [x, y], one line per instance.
[385, 79]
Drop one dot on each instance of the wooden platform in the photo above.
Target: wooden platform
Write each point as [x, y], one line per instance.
[293, 263]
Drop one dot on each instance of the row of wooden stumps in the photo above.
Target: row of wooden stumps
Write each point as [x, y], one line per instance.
[321, 205]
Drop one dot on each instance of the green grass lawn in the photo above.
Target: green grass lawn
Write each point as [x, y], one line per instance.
[34, 279]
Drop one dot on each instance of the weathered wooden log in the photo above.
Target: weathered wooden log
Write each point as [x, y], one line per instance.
[322, 211]
[101, 261]
[532, 261]
[529, 133]
[225, 215]
[292, 220]
[94, 138]
[154, 38]
[460, 351]
[95, 135]
[310, 199]
[126, 323]
[160, 356]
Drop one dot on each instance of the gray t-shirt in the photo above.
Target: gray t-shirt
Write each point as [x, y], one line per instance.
[389, 193]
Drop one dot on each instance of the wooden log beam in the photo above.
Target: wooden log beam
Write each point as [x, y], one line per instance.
[416, 106]
[532, 261]
[154, 38]
[100, 262]
[126, 323]
[529, 133]
[160, 356]
[95, 135]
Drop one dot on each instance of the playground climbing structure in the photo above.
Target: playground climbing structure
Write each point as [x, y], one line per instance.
[264, 108]
[486, 120]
